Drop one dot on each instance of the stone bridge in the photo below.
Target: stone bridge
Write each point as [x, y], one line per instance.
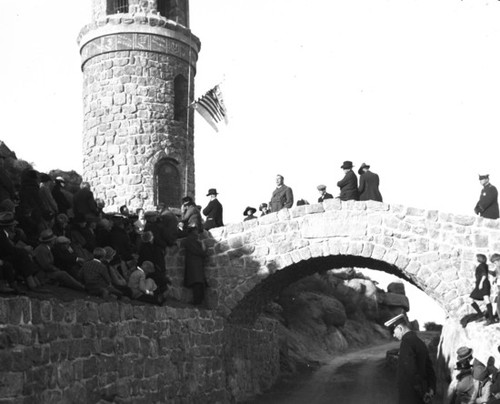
[250, 262]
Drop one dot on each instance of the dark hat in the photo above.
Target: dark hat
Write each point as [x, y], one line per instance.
[484, 176]
[481, 257]
[360, 171]
[395, 321]
[187, 199]
[464, 353]
[249, 209]
[347, 165]
[212, 191]
[321, 187]
[263, 205]
[495, 257]
[7, 219]
[46, 236]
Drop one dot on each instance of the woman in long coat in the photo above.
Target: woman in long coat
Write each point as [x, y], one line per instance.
[194, 274]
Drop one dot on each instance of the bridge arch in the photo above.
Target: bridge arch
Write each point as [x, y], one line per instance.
[434, 251]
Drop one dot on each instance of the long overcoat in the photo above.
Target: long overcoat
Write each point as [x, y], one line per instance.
[368, 187]
[195, 255]
[415, 372]
[487, 206]
[348, 187]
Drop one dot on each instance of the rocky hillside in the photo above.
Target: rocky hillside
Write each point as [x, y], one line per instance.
[326, 314]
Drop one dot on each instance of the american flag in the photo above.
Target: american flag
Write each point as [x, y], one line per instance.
[211, 107]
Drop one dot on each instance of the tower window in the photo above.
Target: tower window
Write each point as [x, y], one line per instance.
[164, 7]
[180, 98]
[117, 6]
[167, 183]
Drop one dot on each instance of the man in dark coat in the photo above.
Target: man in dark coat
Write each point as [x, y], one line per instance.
[368, 184]
[282, 196]
[349, 184]
[194, 274]
[416, 378]
[84, 204]
[323, 194]
[488, 200]
[62, 201]
[213, 211]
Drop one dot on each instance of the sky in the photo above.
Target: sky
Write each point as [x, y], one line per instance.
[410, 87]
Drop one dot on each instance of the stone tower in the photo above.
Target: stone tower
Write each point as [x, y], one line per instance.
[138, 63]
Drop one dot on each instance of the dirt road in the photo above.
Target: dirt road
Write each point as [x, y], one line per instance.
[354, 378]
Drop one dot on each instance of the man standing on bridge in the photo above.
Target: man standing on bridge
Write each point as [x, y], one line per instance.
[282, 196]
[488, 200]
[416, 378]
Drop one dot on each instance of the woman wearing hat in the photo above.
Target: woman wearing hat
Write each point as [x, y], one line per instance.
[249, 213]
[482, 290]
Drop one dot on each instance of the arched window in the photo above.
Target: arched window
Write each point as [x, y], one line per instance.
[180, 98]
[168, 183]
[164, 7]
[116, 6]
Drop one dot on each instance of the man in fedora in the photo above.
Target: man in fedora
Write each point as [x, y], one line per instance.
[349, 184]
[282, 196]
[415, 378]
[487, 206]
[368, 184]
[45, 260]
[213, 211]
[323, 194]
[190, 216]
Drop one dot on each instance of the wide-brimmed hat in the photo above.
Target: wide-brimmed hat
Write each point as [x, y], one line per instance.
[212, 191]
[249, 211]
[464, 353]
[360, 171]
[347, 165]
[46, 236]
[7, 219]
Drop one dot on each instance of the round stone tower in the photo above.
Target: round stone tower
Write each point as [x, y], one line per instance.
[138, 63]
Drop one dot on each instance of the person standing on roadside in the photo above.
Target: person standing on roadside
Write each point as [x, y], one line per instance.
[416, 378]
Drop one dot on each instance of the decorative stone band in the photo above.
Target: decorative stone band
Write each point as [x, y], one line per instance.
[139, 38]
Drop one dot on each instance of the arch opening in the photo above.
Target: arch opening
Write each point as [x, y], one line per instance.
[253, 303]
[167, 185]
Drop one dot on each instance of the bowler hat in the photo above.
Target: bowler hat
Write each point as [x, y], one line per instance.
[212, 191]
[7, 219]
[249, 211]
[321, 187]
[360, 171]
[347, 165]
[46, 236]
[464, 353]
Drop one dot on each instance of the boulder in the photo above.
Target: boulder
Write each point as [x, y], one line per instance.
[396, 287]
[396, 300]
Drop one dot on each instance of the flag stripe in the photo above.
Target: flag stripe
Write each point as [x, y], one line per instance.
[211, 107]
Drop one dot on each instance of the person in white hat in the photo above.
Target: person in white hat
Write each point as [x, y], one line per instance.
[416, 378]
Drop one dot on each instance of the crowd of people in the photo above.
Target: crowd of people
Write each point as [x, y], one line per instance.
[474, 382]
[49, 236]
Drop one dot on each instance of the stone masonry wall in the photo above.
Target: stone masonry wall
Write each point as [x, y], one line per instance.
[85, 351]
[129, 126]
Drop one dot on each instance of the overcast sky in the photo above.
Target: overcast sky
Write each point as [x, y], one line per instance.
[410, 87]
